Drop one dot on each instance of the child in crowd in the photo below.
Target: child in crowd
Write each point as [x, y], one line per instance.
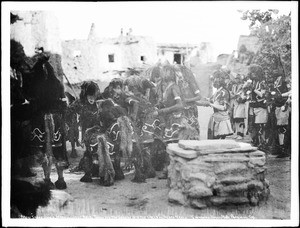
[220, 125]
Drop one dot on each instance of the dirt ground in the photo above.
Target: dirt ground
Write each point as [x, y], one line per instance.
[126, 199]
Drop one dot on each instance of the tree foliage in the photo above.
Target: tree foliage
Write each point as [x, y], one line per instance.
[257, 16]
[274, 33]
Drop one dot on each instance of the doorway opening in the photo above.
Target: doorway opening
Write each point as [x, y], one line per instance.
[177, 58]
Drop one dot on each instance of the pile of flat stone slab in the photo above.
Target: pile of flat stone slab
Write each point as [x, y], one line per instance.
[216, 172]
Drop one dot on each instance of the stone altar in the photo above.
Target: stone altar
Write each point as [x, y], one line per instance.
[216, 172]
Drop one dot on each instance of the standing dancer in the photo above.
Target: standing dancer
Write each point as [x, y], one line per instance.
[171, 110]
[191, 97]
[87, 109]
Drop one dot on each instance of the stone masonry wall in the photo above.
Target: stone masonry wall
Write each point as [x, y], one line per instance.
[216, 172]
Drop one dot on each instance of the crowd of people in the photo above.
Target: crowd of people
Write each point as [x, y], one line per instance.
[160, 105]
[260, 106]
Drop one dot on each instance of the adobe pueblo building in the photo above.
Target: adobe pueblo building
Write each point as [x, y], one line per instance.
[98, 58]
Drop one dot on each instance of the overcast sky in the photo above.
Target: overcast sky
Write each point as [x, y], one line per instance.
[171, 22]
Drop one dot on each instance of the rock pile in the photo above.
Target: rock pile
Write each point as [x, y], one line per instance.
[216, 172]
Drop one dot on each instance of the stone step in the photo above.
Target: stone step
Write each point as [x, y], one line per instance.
[225, 159]
[175, 149]
[234, 150]
[208, 144]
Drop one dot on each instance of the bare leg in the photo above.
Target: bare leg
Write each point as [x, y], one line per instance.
[73, 152]
[46, 164]
[117, 168]
[281, 138]
[60, 183]
[87, 167]
[148, 169]
[137, 161]
[72, 140]
[47, 161]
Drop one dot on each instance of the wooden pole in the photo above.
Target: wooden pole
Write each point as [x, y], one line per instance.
[70, 85]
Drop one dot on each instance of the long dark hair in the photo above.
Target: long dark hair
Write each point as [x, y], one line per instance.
[88, 88]
[222, 76]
